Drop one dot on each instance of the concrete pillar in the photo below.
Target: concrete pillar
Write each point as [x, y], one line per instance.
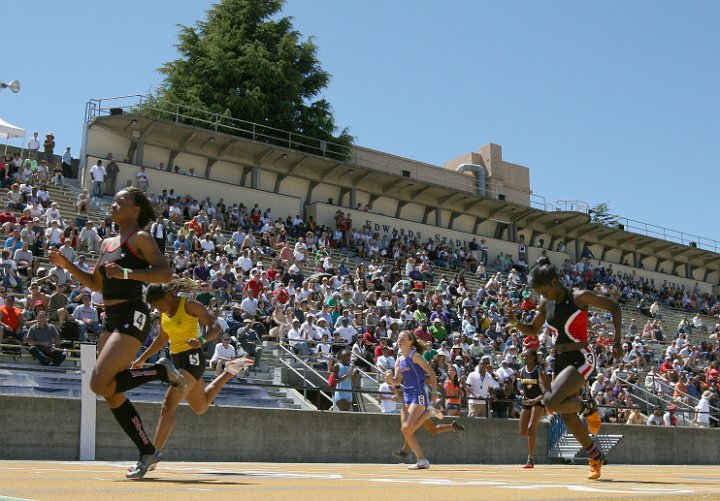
[353, 198]
[438, 217]
[255, 177]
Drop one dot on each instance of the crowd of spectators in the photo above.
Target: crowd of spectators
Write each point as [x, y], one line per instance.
[276, 278]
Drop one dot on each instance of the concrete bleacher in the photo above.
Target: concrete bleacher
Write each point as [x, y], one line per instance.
[271, 369]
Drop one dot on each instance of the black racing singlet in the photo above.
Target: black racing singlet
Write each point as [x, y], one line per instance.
[118, 288]
[531, 382]
[568, 322]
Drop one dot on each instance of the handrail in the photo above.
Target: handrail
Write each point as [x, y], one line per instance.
[666, 383]
[321, 148]
[306, 366]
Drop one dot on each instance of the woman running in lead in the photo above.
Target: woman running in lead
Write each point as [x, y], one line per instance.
[126, 262]
[532, 376]
[565, 310]
[411, 371]
[179, 324]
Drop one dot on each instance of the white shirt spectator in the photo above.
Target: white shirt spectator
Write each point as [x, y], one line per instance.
[504, 371]
[34, 143]
[222, 352]
[309, 331]
[249, 305]
[387, 399]
[347, 333]
[386, 363]
[480, 386]
[98, 173]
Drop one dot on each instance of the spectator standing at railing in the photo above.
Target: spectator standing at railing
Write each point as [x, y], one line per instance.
[34, 144]
[142, 180]
[97, 176]
[66, 166]
[49, 146]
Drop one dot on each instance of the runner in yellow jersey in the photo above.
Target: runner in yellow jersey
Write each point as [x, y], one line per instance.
[180, 322]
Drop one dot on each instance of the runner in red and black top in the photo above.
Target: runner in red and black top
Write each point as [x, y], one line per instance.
[126, 262]
[565, 310]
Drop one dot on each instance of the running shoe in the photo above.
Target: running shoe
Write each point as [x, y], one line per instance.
[434, 413]
[146, 463]
[595, 467]
[400, 454]
[457, 426]
[591, 414]
[422, 464]
[173, 376]
[238, 364]
[529, 465]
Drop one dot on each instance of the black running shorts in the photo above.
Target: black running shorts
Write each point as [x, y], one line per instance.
[131, 318]
[193, 361]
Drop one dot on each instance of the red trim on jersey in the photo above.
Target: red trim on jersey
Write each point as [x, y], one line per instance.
[576, 326]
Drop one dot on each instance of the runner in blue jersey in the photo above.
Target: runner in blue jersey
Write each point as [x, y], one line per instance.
[411, 371]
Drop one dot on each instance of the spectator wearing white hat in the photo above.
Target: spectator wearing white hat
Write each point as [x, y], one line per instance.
[702, 414]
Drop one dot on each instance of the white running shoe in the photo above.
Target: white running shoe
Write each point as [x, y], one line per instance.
[422, 464]
[236, 365]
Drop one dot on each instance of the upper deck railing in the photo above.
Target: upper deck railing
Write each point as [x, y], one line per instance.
[188, 115]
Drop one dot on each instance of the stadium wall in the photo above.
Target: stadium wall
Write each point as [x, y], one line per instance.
[384, 225]
[198, 187]
[49, 428]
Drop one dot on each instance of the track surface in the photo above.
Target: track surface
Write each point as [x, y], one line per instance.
[77, 481]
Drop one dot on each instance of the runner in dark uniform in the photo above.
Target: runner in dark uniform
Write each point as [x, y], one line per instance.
[565, 310]
[126, 262]
[532, 380]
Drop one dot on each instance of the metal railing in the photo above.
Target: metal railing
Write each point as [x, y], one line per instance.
[306, 367]
[188, 115]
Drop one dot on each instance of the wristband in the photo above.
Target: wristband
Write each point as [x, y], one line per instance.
[201, 339]
[125, 273]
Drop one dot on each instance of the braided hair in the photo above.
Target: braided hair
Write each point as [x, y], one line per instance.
[157, 291]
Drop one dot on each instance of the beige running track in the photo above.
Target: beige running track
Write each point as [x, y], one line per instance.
[77, 481]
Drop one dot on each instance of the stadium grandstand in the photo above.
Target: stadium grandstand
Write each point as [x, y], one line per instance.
[305, 249]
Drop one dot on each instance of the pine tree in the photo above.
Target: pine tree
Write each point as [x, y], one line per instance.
[246, 63]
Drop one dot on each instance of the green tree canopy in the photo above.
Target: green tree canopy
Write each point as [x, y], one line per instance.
[247, 63]
[601, 214]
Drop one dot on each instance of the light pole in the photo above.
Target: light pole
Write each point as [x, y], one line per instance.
[13, 86]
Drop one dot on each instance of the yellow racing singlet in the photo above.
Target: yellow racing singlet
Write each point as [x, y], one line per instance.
[179, 328]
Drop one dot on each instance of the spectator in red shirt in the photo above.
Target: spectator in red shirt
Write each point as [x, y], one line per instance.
[254, 284]
[281, 294]
[422, 332]
[666, 366]
[11, 320]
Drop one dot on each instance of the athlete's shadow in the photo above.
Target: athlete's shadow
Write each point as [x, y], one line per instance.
[648, 482]
[191, 482]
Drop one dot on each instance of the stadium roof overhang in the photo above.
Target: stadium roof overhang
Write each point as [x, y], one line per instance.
[284, 161]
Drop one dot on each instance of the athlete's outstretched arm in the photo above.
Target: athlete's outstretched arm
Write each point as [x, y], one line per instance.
[206, 319]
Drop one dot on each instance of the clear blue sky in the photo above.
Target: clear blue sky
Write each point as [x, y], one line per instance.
[612, 100]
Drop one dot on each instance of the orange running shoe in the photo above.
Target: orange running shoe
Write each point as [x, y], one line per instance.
[595, 467]
[593, 421]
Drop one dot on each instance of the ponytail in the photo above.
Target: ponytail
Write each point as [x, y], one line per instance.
[419, 347]
[157, 291]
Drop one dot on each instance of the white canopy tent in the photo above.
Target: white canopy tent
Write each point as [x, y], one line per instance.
[9, 131]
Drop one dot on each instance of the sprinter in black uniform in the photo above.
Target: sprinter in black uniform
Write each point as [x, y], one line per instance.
[533, 380]
[565, 310]
[126, 262]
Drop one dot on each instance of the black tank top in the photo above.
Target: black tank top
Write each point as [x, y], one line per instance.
[119, 288]
[568, 322]
[531, 382]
